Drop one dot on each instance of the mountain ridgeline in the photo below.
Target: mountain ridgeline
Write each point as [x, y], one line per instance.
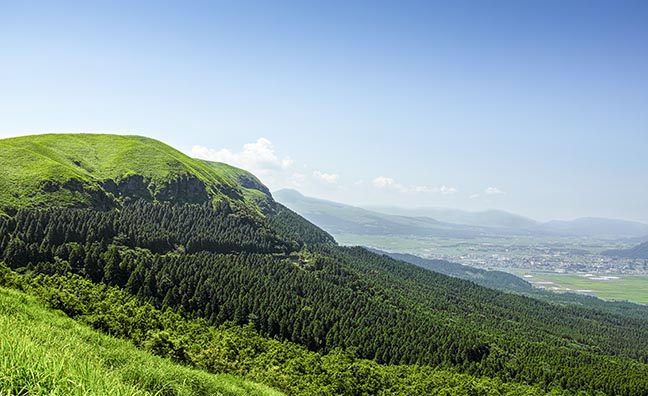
[340, 219]
[104, 172]
[487, 218]
[209, 241]
[116, 174]
[637, 252]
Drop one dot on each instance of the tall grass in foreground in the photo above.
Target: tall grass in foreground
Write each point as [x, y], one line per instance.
[45, 353]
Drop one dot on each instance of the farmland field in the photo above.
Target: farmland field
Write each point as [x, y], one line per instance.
[607, 286]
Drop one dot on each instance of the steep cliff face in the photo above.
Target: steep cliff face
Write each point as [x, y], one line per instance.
[184, 189]
[187, 189]
[251, 182]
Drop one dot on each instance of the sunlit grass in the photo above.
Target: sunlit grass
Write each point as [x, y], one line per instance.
[44, 353]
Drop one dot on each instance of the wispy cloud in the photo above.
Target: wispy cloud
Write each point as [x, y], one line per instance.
[326, 177]
[384, 182]
[488, 191]
[279, 171]
[261, 158]
[493, 191]
[258, 157]
[447, 190]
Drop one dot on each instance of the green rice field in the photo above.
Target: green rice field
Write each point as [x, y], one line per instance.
[607, 286]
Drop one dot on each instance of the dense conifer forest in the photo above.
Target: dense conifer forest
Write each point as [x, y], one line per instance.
[237, 354]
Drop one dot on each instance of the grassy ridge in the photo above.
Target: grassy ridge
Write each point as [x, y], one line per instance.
[28, 164]
[44, 353]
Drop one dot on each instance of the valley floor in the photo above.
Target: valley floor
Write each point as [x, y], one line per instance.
[606, 286]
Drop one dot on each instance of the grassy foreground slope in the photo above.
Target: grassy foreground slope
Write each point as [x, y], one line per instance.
[45, 353]
[225, 349]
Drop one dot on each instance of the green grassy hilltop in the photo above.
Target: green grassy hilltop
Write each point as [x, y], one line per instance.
[100, 170]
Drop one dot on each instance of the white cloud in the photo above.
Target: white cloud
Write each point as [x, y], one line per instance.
[493, 191]
[446, 190]
[327, 177]
[421, 189]
[389, 183]
[385, 182]
[279, 171]
[488, 191]
[274, 170]
[259, 157]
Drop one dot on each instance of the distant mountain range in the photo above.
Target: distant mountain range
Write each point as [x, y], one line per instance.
[338, 218]
[487, 218]
[638, 252]
[596, 226]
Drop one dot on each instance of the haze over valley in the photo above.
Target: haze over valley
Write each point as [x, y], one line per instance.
[585, 255]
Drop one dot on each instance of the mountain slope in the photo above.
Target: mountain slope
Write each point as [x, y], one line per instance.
[337, 218]
[581, 227]
[493, 279]
[246, 259]
[100, 171]
[46, 354]
[596, 227]
[487, 218]
[106, 172]
[229, 349]
[638, 252]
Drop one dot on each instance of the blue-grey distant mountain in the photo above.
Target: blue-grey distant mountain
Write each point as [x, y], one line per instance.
[637, 252]
[586, 226]
[337, 218]
[486, 218]
[596, 227]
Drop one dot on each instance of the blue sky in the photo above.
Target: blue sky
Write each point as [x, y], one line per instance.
[536, 107]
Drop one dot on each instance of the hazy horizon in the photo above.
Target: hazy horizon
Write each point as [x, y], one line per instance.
[418, 207]
[538, 109]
